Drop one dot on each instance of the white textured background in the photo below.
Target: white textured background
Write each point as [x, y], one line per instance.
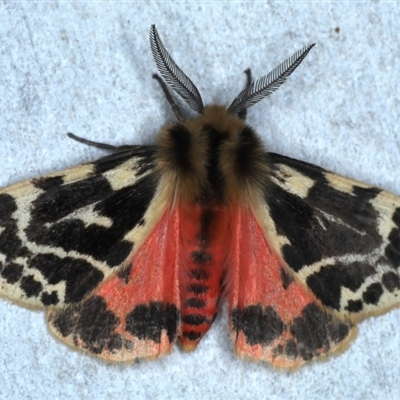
[86, 67]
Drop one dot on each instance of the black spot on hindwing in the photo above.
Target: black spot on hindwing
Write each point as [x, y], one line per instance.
[90, 323]
[314, 331]
[147, 321]
[307, 336]
[259, 325]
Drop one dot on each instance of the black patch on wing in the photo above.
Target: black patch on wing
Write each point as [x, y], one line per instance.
[49, 299]
[391, 281]
[12, 272]
[47, 183]
[124, 207]
[59, 201]
[91, 325]
[392, 251]
[30, 286]
[328, 282]
[309, 335]
[259, 325]
[145, 159]
[10, 244]
[373, 293]
[354, 306]
[55, 222]
[147, 321]
[315, 330]
[79, 276]
[329, 223]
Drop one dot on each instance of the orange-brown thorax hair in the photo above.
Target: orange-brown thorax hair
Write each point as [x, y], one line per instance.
[214, 157]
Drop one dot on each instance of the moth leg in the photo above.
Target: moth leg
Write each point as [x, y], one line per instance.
[175, 109]
[242, 114]
[105, 146]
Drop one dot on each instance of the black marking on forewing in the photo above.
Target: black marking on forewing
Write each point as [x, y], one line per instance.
[30, 286]
[49, 299]
[144, 155]
[58, 202]
[124, 207]
[373, 293]
[12, 272]
[147, 321]
[328, 282]
[392, 251]
[79, 276]
[10, 244]
[354, 306]
[391, 281]
[312, 235]
[47, 183]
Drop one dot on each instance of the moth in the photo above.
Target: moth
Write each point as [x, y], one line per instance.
[133, 251]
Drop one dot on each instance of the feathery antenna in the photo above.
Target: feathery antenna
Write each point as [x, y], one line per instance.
[173, 75]
[266, 85]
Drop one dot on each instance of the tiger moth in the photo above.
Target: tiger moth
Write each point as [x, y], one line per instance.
[133, 251]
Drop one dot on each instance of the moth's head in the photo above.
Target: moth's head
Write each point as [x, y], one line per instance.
[215, 156]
